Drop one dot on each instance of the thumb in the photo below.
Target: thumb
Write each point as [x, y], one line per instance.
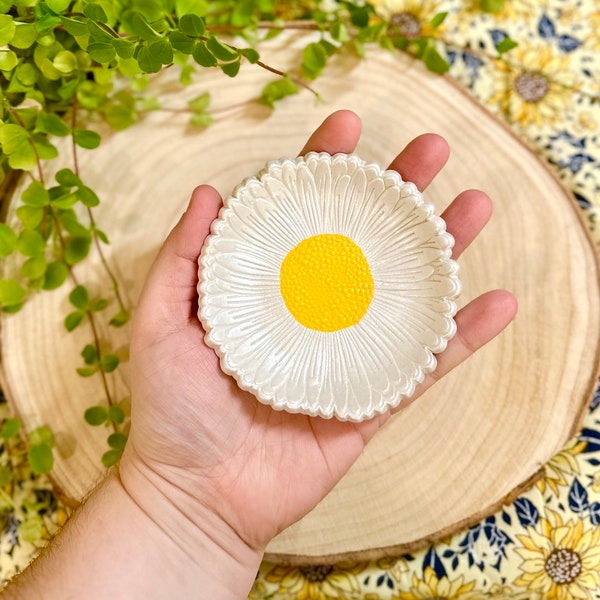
[168, 298]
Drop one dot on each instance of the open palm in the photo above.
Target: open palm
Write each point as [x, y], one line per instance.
[201, 437]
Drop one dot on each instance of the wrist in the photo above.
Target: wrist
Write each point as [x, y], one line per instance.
[205, 550]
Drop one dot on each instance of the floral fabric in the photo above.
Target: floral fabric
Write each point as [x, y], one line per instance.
[546, 544]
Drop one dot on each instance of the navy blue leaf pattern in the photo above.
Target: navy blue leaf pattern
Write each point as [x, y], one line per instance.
[527, 513]
[498, 35]
[568, 43]
[578, 497]
[433, 560]
[592, 437]
[546, 27]
[595, 513]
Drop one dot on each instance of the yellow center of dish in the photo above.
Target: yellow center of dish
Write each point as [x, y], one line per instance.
[326, 282]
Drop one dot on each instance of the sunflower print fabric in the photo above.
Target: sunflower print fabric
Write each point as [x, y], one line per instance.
[545, 545]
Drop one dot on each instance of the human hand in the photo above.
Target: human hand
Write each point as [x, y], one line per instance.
[228, 465]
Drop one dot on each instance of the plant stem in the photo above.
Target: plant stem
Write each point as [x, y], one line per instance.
[89, 313]
[263, 65]
[113, 279]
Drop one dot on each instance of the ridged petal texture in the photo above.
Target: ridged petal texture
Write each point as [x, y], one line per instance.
[361, 370]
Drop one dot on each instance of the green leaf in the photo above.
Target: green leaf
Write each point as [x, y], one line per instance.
[339, 32]
[10, 428]
[8, 240]
[30, 216]
[124, 48]
[42, 436]
[95, 12]
[74, 319]
[89, 354]
[52, 124]
[117, 440]
[359, 15]
[99, 304]
[221, 50]
[12, 137]
[192, 25]
[120, 116]
[200, 103]
[138, 25]
[74, 27]
[86, 138]
[202, 55]
[162, 51]
[65, 62]
[491, 6]
[7, 29]
[191, 7]
[79, 297]
[44, 148]
[435, 62]
[58, 6]
[109, 362]
[87, 371]
[111, 457]
[56, 274]
[242, 13]
[120, 319]
[41, 459]
[147, 62]
[116, 414]
[505, 45]
[8, 60]
[35, 195]
[24, 158]
[88, 197]
[101, 235]
[30, 243]
[65, 201]
[67, 178]
[251, 55]
[34, 267]
[277, 90]
[24, 36]
[438, 19]
[102, 52]
[231, 69]
[181, 42]
[98, 34]
[12, 293]
[31, 529]
[77, 248]
[96, 415]
[314, 58]
[201, 120]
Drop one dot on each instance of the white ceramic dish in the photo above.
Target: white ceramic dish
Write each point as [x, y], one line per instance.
[327, 286]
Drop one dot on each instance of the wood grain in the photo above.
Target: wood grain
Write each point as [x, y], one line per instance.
[472, 441]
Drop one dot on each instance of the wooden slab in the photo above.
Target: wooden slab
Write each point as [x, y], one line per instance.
[476, 438]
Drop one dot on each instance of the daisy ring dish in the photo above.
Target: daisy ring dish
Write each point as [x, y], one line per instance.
[326, 286]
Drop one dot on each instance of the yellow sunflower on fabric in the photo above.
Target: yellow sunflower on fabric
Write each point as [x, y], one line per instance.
[430, 586]
[560, 560]
[317, 582]
[561, 466]
[409, 18]
[533, 86]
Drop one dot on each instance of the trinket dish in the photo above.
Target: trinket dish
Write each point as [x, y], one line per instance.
[326, 286]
